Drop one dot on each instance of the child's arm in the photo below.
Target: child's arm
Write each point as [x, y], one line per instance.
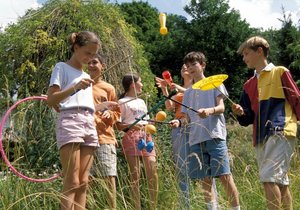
[218, 109]
[107, 105]
[116, 111]
[56, 95]
[292, 92]
[175, 86]
[122, 126]
[244, 112]
[162, 84]
[180, 122]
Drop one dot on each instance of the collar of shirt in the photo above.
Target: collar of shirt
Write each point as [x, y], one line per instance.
[268, 67]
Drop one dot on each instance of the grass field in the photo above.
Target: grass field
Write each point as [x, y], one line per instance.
[20, 194]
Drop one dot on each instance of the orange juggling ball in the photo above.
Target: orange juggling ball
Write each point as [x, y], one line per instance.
[160, 116]
[150, 129]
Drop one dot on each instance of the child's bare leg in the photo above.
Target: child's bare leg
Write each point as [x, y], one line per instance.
[286, 197]
[70, 161]
[152, 177]
[273, 195]
[134, 167]
[208, 190]
[230, 189]
[86, 161]
[111, 191]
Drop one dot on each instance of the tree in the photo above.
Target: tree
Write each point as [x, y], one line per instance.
[30, 48]
[217, 31]
[163, 52]
[288, 40]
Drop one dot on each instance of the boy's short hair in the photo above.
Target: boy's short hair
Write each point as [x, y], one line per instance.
[254, 43]
[100, 58]
[194, 57]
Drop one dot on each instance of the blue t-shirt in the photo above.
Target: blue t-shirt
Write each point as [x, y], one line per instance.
[208, 128]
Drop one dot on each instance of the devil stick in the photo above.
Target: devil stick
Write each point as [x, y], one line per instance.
[160, 102]
[114, 65]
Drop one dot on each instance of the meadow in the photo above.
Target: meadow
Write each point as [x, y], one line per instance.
[37, 156]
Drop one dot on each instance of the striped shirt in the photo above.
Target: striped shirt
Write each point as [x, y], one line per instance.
[271, 101]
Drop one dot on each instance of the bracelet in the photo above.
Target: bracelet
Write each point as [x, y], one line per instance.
[180, 123]
[214, 111]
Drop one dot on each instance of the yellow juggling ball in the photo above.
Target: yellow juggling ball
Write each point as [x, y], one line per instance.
[160, 116]
[151, 129]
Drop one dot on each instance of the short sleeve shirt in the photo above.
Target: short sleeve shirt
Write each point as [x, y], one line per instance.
[203, 129]
[132, 110]
[65, 76]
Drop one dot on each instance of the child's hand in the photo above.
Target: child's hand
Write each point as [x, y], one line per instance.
[237, 109]
[174, 86]
[112, 105]
[83, 84]
[177, 87]
[161, 83]
[106, 114]
[203, 113]
[174, 123]
[56, 108]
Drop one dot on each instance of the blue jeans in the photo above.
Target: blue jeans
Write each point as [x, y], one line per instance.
[209, 159]
[181, 151]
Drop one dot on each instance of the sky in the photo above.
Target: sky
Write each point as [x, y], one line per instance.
[258, 13]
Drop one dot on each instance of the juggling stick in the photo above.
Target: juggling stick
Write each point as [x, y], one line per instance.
[113, 66]
[4, 157]
[154, 121]
[212, 82]
[162, 20]
[127, 101]
[160, 102]
[190, 108]
[131, 99]
[103, 106]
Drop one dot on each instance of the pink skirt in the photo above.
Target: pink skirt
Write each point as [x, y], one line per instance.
[130, 141]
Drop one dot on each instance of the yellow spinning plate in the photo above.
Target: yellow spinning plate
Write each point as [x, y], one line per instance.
[211, 82]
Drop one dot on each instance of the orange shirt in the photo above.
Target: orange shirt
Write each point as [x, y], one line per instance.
[178, 97]
[103, 91]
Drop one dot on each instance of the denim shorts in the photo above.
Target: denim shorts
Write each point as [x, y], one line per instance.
[76, 126]
[209, 159]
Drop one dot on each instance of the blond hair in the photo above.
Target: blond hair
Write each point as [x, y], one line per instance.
[254, 43]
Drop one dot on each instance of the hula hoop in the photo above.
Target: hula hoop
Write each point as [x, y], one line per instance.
[5, 159]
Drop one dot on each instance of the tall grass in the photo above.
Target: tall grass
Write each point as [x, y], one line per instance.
[16, 193]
